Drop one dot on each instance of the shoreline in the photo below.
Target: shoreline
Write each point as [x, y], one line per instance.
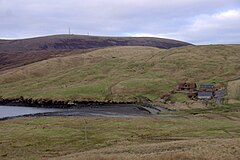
[49, 103]
[103, 113]
[117, 110]
[83, 108]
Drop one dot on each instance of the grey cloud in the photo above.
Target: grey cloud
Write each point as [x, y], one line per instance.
[171, 18]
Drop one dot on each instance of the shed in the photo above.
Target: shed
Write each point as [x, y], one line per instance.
[205, 95]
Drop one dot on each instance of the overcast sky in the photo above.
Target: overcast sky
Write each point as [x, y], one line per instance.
[195, 21]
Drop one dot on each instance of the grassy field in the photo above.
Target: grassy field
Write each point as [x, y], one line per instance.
[214, 135]
[122, 73]
[234, 90]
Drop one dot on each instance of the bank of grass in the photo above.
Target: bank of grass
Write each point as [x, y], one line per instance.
[227, 108]
[43, 138]
[180, 97]
[234, 89]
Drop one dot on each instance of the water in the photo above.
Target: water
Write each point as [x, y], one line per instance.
[92, 111]
[10, 111]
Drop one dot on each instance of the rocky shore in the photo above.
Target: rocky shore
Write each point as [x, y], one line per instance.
[93, 110]
[142, 107]
[49, 103]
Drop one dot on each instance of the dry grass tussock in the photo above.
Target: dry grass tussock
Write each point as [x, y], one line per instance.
[198, 149]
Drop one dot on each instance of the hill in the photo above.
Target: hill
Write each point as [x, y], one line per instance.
[14, 53]
[121, 73]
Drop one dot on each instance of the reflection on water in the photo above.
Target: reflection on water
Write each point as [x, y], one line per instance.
[10, 111]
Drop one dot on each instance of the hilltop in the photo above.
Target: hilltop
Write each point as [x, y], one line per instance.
[122, 73]
[15, 53]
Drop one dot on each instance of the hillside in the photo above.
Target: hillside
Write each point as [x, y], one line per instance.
[121, 73]
[14, 53]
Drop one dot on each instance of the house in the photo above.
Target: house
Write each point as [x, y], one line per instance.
[205, 95]
[187, 86]
[207, 87]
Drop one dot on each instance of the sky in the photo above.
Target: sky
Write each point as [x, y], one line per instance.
[194, 21]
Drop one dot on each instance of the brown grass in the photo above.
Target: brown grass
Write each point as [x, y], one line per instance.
[204, 136]
[234, 90]
[15, 53]
[197, 149]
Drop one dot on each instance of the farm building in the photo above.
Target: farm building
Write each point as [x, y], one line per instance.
[205, 95]
[207, 87]
[187, 86]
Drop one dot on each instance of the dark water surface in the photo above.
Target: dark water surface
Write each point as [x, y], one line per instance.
[117, 110]
[11, 111]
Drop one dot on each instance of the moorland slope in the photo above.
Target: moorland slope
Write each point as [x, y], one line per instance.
[121, 73]
[14, 53]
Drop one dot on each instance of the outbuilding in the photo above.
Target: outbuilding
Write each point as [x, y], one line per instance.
[206, 87]
[187, 86]
[205, 95]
